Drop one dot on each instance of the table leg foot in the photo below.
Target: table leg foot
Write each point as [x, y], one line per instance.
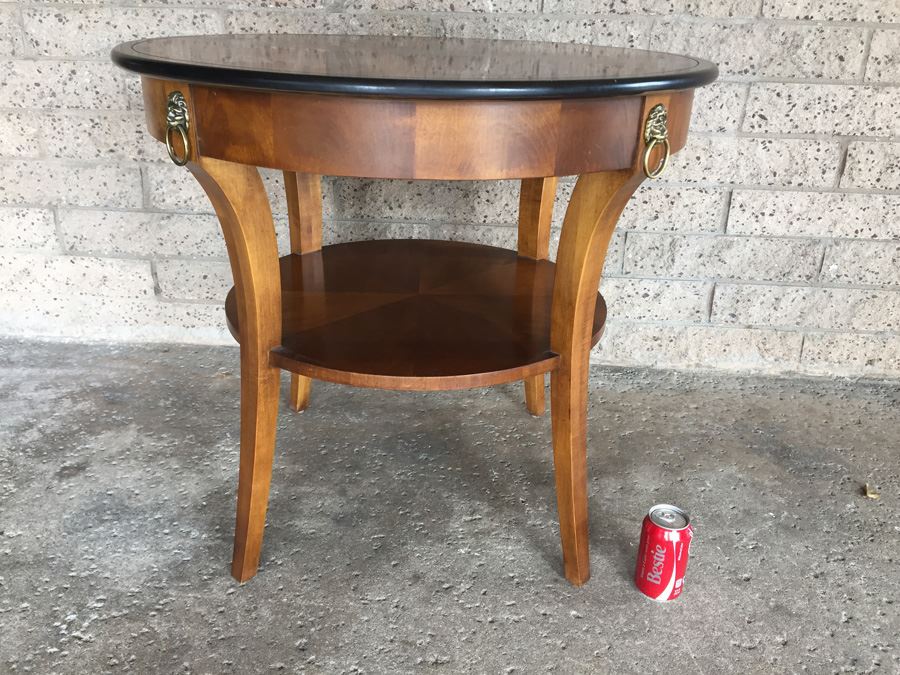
[594, 208]
[300, 388]
[259, 413]
[570, 463]
[534, 395]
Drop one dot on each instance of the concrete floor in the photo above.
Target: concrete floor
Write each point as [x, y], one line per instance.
[417, 532]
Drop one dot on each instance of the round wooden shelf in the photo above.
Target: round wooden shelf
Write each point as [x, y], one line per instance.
[415, 314]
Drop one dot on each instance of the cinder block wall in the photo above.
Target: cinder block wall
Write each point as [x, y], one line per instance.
[773, 244]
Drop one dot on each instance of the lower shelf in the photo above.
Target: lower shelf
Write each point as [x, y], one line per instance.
[415, 314]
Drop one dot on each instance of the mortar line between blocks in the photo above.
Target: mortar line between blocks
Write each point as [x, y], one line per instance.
[788, 329]
[810, 284]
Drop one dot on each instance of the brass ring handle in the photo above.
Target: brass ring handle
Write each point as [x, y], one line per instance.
[177, 119]
[664, 162]
[179, 161]
[656, 132]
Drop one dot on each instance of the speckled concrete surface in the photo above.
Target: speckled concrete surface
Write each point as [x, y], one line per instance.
[416, 532]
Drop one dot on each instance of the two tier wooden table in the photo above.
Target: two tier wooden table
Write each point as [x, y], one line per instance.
[416, 315]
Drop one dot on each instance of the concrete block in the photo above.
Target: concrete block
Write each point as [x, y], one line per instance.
[74, 276]
[756, 161]
[337, 232]
[495, 202]
[11, 39]
[763, 49]
[274, 182]
[655, 207]
[564, 188]
[92, 134]
[62, 84]
[48, 182]
[703, 347]
[139, 233]
[874, 166]
[191, 322]
[873, 11]
[328, 196]
[488, 235]
[822, 108]
[806, 307]
[94, 298]
[851, 354]
[615, 254]
[875, 263]
[194, 279]
[661, 208]
[134, 97]
[81, 31]
[884, 57]
[814, 214]
[721, 257]
[717, 8]
[718, 107]
[27, 230]
[20, 134]
[655, 300]
[173, 188]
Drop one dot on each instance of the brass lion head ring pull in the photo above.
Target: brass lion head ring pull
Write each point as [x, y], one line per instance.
[177, 122]
[656, 132]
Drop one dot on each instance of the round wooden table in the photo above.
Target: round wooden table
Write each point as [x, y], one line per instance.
[418, 315]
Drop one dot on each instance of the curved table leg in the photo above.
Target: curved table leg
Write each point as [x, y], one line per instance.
[535, 216]
[591, 217]
[304, 199]
[237, 194]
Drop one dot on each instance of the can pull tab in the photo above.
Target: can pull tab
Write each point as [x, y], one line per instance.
[666, 516]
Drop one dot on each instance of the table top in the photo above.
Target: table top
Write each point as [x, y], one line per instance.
[417, 67]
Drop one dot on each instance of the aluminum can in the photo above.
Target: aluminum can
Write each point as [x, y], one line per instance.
[663, 553]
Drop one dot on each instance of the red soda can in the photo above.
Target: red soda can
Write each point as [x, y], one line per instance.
[663, 553]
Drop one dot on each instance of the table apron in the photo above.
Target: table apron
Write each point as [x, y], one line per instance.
[414, 139]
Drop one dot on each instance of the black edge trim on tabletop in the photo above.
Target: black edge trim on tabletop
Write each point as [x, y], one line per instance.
[703, 74]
